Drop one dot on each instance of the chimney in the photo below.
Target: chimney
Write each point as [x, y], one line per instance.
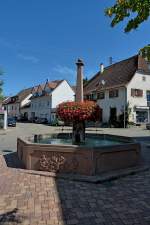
[101, 67]
[110, 60]
[79, 83]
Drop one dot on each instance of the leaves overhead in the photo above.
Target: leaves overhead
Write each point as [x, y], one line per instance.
[138, 10]
[146, 52]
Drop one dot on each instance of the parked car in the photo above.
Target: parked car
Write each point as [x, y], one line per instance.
[44, 120]
[11, 122]
[41, 120]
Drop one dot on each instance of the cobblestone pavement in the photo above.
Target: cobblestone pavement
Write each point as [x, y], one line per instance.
[31, 199]
[35, 200]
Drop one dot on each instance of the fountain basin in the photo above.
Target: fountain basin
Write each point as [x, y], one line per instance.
[109, 153]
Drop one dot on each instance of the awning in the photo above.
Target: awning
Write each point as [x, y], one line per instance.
[142, 107]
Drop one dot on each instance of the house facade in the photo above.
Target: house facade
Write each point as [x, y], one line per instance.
[46, 97]
[14, 104]
[126, 83]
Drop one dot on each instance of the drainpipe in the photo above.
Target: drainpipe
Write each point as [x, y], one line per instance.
[148, 115]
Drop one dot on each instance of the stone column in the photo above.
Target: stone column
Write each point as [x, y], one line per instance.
[78, 133]
[79, 83]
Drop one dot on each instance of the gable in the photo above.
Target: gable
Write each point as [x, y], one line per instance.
[115, 75]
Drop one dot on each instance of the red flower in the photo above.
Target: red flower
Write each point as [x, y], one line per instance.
[79, 111]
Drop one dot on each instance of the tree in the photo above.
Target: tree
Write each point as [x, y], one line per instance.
[139, 10]
[1, 86]
[146, 52]
[85, 81]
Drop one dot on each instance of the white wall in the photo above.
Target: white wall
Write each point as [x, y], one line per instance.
[13, 111]
[41, 108]
[62, 93]
[108, 103]
[137, 83]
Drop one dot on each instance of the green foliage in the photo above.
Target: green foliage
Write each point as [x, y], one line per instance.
[126, 117]
[85, 81]
[139, 10]
[146, 52]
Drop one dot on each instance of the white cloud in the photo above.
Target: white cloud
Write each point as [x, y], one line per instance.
[64, 70]
[29, 58]
[5, 43]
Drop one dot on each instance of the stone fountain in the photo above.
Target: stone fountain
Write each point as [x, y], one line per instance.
[78, 153]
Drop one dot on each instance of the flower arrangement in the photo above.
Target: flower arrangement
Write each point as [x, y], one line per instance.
[79, 111]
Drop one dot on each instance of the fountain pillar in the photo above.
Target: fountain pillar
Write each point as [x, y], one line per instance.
[79, 126]
[79, 83]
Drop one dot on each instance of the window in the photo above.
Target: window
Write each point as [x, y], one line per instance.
[136, 93]
[93, 96]
[113, 93]
[47, 103]
[101, 95]
[87, 97]
[43, 92]
[148, 96]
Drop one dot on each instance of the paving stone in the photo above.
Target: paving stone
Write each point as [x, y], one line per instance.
[31, 199]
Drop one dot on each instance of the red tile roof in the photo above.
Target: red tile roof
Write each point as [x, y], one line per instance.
[115, 75]
[53, 84]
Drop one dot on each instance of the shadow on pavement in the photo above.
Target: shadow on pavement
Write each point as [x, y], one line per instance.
[12, 160]
[11, 217]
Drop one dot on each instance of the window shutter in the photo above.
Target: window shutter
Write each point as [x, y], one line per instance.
[132, 92]
[141, 93]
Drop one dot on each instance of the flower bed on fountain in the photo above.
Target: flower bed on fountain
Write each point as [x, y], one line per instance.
[78, 113]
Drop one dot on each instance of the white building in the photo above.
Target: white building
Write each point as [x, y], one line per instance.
[46, 97]
[121, 84]
[3, 119]
[14, 104]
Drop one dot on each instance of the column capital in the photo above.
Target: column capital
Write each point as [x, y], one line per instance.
[79, 62]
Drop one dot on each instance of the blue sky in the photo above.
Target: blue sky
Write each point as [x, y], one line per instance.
[42, 39]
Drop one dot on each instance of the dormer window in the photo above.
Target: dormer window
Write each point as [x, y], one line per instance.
[48, 90]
